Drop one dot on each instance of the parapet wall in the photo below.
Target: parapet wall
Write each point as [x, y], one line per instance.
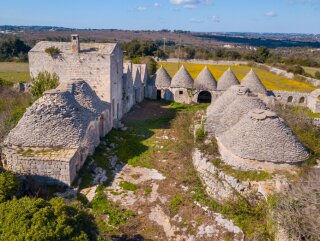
[291, 98]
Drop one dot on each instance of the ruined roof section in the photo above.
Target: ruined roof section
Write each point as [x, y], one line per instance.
[227, 79]
[252, 81]
[88, 98]
[205, 80]
[182, 79]
[261, 135]
[55, 120]
[65, 47]
[161, 78]
[242, 105]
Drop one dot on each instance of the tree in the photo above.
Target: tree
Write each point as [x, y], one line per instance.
[9, 186]
[13, 48]
[262, 54]
[44, 81]
[40, 220]
[296, 69]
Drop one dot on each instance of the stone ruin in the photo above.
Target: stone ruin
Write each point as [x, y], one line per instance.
[57, 133]
[249, 135]
[205, 88]
[60, 130]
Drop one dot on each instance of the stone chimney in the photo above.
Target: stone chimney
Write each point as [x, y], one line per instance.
[75, 45]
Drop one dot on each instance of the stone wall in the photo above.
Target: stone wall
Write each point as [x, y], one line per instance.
[202, 61]
[291, 98]
[101, 71]
[182, 95]
[58, 170]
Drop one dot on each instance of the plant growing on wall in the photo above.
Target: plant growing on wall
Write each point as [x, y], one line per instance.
[44, 81]
[53, 51]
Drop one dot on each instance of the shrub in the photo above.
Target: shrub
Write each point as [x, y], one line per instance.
[128, 186]
[5, 83]
[44, 81]
[296, 69]
[298, 209]
[317, 75]
[9, 186]
[53, 51]
[37, 219]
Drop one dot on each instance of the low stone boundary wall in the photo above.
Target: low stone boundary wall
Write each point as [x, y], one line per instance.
[202, 61]
[291, 98]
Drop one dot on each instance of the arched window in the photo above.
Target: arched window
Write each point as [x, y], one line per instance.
[301, 101]
[204, 97]
[290, 99]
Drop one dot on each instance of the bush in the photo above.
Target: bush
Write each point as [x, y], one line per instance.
[298, 209]
[317, 75]
[37, 219]
[9, 186]
[296, 69]
[13, 49]
[53, 51]
[44, 81]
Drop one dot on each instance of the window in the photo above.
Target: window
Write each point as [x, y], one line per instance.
[74, 37]
[290, 99]
[301, 101]
[180, 92]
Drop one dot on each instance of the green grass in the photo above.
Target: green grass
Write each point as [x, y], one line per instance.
[128, 186]
[311, 70]
[14, 72]
[240, 174]
[116, 216]
[271, 81]
[175, 203]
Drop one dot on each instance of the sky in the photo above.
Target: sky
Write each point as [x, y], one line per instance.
[276, 16]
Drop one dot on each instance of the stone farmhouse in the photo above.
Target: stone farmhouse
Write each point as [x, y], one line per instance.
[60, 130]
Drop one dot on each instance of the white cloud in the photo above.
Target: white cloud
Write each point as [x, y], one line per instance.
[191, 4]
[141, 8]
[194, 20]
[157, 5]
[216, 19]
[271, 14]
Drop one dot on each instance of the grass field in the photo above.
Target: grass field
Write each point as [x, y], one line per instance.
[311, 70]
[270, 81]
[14, 72]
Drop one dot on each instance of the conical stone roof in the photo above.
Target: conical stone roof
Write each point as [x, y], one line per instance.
[216, 109]
[227, 79]
[241, 106]
[55, 120]
[261, 135]
[205, 80]
[252, 81]
[88, 98]
[182, 79]
[161, 78]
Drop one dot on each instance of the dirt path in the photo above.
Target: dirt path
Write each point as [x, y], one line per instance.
[162, 195]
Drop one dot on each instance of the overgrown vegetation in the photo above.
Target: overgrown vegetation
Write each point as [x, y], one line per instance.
[53, 51]
[297, 210]
[13, 49]
[103, 207]
[37, 219]
[42, 82]
[9, 186]
[128, 186]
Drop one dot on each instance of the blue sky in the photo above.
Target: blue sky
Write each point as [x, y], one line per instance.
[287, 16]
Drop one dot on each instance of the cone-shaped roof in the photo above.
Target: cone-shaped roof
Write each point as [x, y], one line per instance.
[252, 81]
[227, 79]
[242, 105]
[315, 93]
[205, 80]
[161, 78]
[216, 109]
[55, 120]
[182, 79]
[88, 98]
[261, 135]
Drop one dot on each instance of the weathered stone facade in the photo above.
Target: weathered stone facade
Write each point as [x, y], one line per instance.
[99, 64]
[57, 133]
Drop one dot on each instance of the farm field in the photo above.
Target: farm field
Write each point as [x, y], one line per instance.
[270, 81]
[14, 72]
[311, 70]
